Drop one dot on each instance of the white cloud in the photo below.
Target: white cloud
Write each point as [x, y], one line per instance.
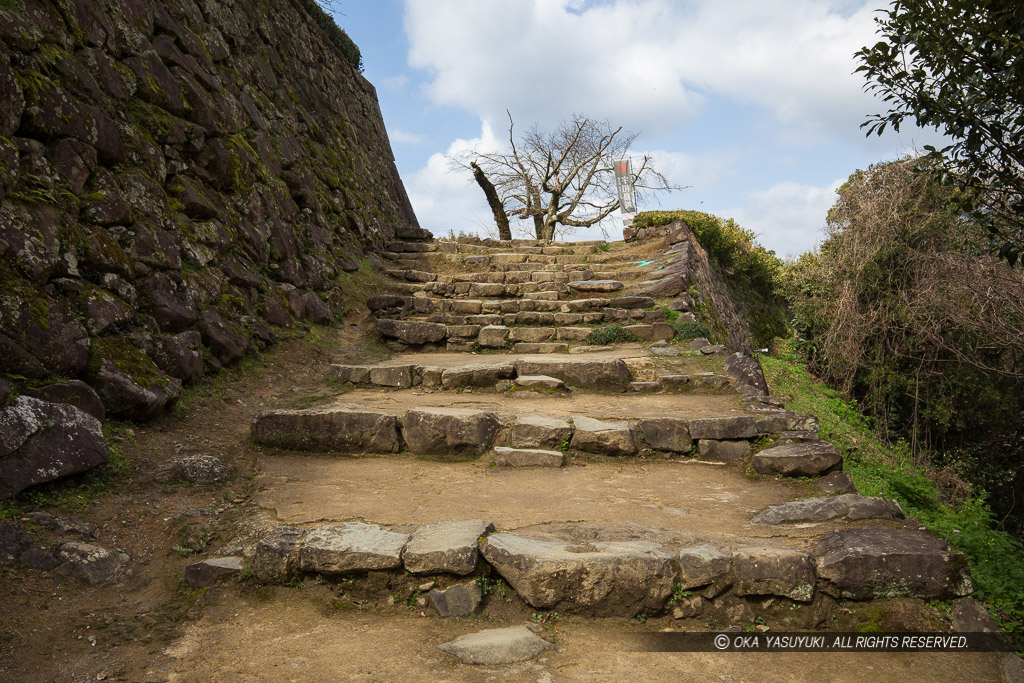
[787, 217]
[404, 137]
[645, 63]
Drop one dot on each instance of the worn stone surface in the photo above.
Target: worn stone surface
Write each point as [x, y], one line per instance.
[809, 459]
[702, 565]
[398, 376]
[88, 563]
[202, 470]
[740, 427]
[342, 428]
[540, 431]
[721, 450]
[602, 374]
[596, 285]
[850, 505]
[603, 437]
[527, 457]
[411, 332]
[477, 375]
[747, 373]
[879, 562]
[276, 558]
[670, 434]
[42, 441]
[492, 336]
[620, 578]
[74, 392]
[459, 600]
[356, 374]
[540, 382]
[449, 432]
[448, 546]
[497, 646]
[766, 570]
[209, 571]
[836, 483]
[351, 547]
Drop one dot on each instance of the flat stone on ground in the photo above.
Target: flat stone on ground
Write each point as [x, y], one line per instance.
[497, 646]
[527, 457]
[411, 331]
[850, 505]
[445, 546]
[351, 547]
[835, 483]
[702, 565]
[808, 459]
[878, 562]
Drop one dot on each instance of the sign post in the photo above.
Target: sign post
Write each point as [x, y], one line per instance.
[624, 184]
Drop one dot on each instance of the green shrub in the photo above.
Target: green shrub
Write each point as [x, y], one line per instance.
[612, 334]
[690, 330]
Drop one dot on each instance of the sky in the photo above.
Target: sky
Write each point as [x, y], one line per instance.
[751, 106]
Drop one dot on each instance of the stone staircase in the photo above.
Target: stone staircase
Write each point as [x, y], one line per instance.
[499, 439]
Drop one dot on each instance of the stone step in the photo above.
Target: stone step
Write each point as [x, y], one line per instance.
[587, 569]
[505, 456]
[520, 327]
[501, 375]
[452, 433]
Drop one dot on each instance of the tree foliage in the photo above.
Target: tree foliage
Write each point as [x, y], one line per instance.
[562, 179]
[958, 66]
[904, 311]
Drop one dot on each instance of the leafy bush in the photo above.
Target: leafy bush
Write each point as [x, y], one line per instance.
[902, 311]
[689, 330]
[612, 334]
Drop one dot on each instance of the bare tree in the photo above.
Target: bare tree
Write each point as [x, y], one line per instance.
[562, 178]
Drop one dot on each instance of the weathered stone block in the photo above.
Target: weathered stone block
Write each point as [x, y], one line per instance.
[351, 547]
[449, 432]
[446, 546]
[342, 428]
[765, 570]
[603, 437]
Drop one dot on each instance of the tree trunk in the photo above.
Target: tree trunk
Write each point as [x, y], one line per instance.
[497, 208]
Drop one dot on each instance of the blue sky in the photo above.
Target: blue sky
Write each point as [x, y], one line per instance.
[752, 104]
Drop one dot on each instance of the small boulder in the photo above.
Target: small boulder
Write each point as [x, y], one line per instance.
[747, 373]
[836, 483]
[718, 428]
[74, 392]
[809, 459]
[723, 450]
[88, 563]
[670, 434]
[540, 431]
[13, 542]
